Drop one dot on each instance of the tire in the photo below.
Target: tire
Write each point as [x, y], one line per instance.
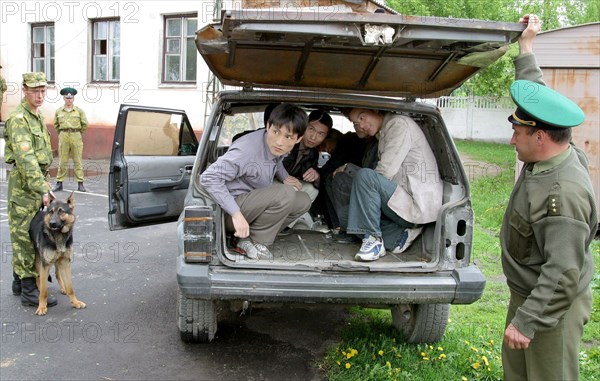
[421, 323]
[196, 320]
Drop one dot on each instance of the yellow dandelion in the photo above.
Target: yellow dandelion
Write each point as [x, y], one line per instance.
[339, 363]
[423, 354]
[442, 356]
[425, 358]
[485, 360]
[388, 364]
[464, 378]
[476, 365]
[354, 351]
[348, 365]
[380, 352]
[349, 355]
[431, 347]
[440, 349]
[475, 349]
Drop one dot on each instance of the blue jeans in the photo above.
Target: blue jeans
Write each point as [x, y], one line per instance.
[369, 212]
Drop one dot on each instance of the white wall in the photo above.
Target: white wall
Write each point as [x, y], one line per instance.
[490, 125]
[141, 55]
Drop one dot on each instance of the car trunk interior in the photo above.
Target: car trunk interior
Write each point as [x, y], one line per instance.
[304, 248]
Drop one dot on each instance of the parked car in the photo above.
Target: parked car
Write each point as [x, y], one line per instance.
[376, 61]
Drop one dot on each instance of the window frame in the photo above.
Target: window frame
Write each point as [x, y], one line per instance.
[109, 50]
[183, 38]
[49, 61]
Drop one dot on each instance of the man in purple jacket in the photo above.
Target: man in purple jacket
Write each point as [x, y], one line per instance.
[241, 182]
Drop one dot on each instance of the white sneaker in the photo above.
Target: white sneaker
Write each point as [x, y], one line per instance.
[407, 238]
[263, 250]
[247, 245]
[371, 249]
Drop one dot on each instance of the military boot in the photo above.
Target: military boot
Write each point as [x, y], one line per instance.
[30, 295]
[80, 187]
[57, 187]
[16, 284]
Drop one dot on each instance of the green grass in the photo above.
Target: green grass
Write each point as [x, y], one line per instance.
[372, 349]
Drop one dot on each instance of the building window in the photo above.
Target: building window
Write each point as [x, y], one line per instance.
[42, 49]
[106, 50]
[179, 48]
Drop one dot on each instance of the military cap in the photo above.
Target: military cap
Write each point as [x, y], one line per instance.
[540, 106]
[68, 92]
[34, 79]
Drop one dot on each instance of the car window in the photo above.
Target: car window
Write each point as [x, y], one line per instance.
[238, 123]
[158, 134]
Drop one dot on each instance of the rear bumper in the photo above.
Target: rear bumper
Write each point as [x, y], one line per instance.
[460, 286]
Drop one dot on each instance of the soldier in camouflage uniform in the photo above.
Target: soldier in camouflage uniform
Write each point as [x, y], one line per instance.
[2, 90]
[28, 155]
[70, 123]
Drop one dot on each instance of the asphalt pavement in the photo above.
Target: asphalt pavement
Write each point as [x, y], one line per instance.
[128, 330]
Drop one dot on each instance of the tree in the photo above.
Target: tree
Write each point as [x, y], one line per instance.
[495, 80]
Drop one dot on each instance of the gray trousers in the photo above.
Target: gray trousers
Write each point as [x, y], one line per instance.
[269, 210]
[552, 354]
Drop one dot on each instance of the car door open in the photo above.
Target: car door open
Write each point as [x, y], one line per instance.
[151, 164]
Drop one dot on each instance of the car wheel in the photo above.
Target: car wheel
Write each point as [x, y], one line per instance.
[197, 319]
[421, 323]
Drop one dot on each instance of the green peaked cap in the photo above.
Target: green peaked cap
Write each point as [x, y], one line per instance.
[542, 104]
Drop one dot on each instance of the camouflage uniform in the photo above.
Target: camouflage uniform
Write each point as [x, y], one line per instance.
[70, 125]
[29, 155]
[2, 90]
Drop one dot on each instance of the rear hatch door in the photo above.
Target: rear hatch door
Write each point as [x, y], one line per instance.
[395, 55]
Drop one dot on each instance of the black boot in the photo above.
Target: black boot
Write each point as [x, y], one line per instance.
[30, 295]
[16, 284]
[80, 187]
[57, 187]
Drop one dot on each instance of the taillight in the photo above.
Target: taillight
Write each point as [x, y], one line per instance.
[198, 235]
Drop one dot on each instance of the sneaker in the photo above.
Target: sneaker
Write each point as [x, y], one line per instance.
[320, 227]
[263, 250]
[371, 249]
[247, 246]
[407, 238]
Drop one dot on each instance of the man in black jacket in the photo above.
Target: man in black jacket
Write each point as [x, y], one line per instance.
[302, 162]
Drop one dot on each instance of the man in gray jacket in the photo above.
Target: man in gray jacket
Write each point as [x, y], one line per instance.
[405, 186]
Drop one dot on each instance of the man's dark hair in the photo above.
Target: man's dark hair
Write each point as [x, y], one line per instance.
[557, 135]
[268, 111]
[323, 117]
[289, 115]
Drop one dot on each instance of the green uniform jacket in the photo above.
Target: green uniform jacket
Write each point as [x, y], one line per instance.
[550, 221]
[74, 119]
[27, 146]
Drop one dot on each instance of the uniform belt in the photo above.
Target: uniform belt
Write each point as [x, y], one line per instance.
[70, 130]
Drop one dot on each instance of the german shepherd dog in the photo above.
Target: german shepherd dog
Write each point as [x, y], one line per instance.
[51, 232]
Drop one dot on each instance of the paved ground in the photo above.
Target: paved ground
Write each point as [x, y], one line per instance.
[128, 330]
